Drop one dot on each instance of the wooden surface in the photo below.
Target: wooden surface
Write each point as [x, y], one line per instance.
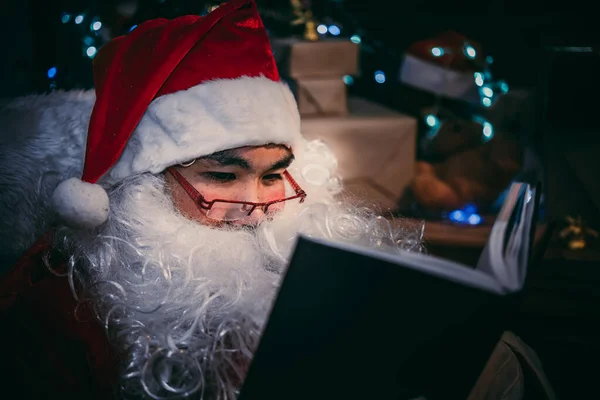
[463, 243]
[449, 234]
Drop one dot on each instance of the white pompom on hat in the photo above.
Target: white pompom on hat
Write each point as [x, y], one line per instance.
[175, 90]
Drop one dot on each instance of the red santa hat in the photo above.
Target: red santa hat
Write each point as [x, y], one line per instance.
[175, 90]
[444, 65]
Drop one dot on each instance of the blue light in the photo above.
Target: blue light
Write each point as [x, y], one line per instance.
[65, 18]
[379, 77]
[470, 209]
[348, 80]
[487, 91]
[486, 101]
[132, 28]
[474, 219]
[488, 131]
[355, 39]
[478, 78]
[432, 121]
[96, 26]
[88, 41]
[434, 124]
[457, 216]
[489, 59]
[470, 51]
[334, 30]
[79, 19]
[322, 29]
[91, 51]
[437, 52]
[51, 72]
[503, 86]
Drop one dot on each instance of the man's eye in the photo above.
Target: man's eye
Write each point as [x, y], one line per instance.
[220, 176]
[272, 177]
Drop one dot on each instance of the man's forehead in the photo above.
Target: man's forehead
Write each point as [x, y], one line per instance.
[252, 156]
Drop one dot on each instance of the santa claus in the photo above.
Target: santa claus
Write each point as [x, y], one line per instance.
[158, 277]
[170, 247]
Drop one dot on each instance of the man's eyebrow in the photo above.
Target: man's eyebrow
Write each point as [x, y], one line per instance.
[284, 162]
[227, 158]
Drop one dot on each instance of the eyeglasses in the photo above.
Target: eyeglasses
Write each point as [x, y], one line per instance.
[232, 210]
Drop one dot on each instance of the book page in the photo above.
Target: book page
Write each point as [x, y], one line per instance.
[505, 256]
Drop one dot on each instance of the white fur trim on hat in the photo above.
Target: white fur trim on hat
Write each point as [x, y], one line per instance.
[80, 204]
[213, 116]
[437, 79]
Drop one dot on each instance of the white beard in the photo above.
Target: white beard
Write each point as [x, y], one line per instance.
[185, 303]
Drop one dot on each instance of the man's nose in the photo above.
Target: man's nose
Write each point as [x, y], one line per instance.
[254, 194]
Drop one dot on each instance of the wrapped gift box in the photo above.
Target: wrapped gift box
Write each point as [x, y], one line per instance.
[375, 147]
[332, 58]
[320, 96]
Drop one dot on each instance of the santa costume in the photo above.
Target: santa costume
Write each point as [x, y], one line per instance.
[124, 296]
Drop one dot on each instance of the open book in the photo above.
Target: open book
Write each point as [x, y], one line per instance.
[353, 323]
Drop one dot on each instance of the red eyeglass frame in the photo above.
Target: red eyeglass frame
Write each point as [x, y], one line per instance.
[207, 205]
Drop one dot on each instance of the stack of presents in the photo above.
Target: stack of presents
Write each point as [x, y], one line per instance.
[375, 146]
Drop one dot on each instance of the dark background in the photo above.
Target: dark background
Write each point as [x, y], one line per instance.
[514, 32]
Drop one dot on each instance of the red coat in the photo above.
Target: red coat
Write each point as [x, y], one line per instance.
[49, 353]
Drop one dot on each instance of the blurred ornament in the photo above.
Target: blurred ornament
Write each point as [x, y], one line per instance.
[576, 234]
[304, 16]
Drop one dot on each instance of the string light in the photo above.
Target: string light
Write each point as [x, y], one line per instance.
[88, 41]
[65, 18]
[434, 124]
[469, 209]
[432, 121]
[79, 19]
[355, 39]
[379, 77]
[486, 101]
[487, 91]
[503, 86]
[132, 28]
[334, 30]
[467, 215]
[478, 78]
[348, 80]
[474, 219]
[470, 51]
[91, 51]
[96, 26]
[322, 29]
[437, 52]
[52, 72]
[488, 131]
[457, 216]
